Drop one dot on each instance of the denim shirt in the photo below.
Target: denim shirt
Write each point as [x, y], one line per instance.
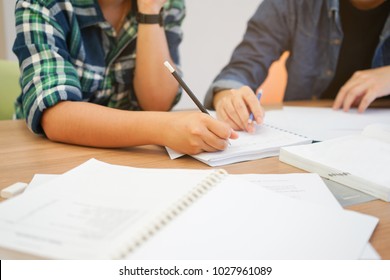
[310, 30]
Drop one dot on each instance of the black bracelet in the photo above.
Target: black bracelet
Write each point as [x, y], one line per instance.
[150, 18]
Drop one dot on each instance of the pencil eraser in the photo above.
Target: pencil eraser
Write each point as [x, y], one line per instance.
[169, 66]
[13, 190]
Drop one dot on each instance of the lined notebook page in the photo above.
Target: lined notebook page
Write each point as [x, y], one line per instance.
[265, 142]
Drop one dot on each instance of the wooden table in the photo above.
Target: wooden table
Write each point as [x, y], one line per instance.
[23, 154]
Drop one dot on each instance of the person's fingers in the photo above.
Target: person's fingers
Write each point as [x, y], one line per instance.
[208, 134]
[352, 95]
[235, 107]
[234, 134]
[209, 148]
[220, 129]
[346, 88]
[367, 99]
[210, 142]
[254, 107]
[245, 104]
[227, 114]
[339, 100]
[241, 110]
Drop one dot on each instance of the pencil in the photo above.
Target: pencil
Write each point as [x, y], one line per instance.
[187, 89]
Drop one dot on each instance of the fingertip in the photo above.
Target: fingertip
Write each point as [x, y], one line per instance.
[259, 120]
[233, 134]
[362, 109]
[251, 128]
[339, 100]
[365, 103]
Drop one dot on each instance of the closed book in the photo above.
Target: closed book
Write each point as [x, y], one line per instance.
[360, 161]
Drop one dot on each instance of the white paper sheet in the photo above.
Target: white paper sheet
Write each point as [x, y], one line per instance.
[240, 220]
[324, 123]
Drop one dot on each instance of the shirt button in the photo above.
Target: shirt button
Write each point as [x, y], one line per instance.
[328, 73]
[336, 42]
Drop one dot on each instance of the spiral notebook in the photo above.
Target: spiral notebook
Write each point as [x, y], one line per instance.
[103, 211]
[265, 142]
[98, 211]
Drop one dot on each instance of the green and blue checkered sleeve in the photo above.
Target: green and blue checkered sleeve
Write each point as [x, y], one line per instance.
[47, 76]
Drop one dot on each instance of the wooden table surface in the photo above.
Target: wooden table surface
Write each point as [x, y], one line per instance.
[23, 154]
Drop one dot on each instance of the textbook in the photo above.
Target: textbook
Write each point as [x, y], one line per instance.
[359, 161]
[104, 211]
[264, 142]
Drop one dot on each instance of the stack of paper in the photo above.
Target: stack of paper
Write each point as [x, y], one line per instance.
[98, 210]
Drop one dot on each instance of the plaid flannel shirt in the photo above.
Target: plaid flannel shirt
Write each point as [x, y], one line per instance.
[67, 51]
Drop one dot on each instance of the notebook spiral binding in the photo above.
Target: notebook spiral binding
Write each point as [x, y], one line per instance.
[202, 188]
[284, 130]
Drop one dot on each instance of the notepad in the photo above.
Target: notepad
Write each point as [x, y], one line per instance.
[265, 142]
[358, 161]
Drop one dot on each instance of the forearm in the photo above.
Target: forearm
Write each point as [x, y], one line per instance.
[88, 124]
[154, 86]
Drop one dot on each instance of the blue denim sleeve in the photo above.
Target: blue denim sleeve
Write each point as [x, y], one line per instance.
[266, 38]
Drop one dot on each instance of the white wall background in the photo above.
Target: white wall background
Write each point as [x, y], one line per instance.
[8, 22]
[212, 29]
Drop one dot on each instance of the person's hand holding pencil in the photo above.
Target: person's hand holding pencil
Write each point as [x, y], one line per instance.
[203, 131]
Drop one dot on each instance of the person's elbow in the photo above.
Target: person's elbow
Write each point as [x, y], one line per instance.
[47, 124]
[160, 101]
[51, 122]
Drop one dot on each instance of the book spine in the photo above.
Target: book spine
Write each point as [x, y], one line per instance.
[342, 177]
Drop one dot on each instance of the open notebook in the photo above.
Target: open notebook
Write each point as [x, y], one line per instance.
[360, 161]
[103, 211]
[265, 142]
[321, 124]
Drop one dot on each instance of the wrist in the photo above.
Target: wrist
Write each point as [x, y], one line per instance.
[219, 95]
[149, 9]
[163, 122]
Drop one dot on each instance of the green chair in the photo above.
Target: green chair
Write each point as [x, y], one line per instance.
[9, 88]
